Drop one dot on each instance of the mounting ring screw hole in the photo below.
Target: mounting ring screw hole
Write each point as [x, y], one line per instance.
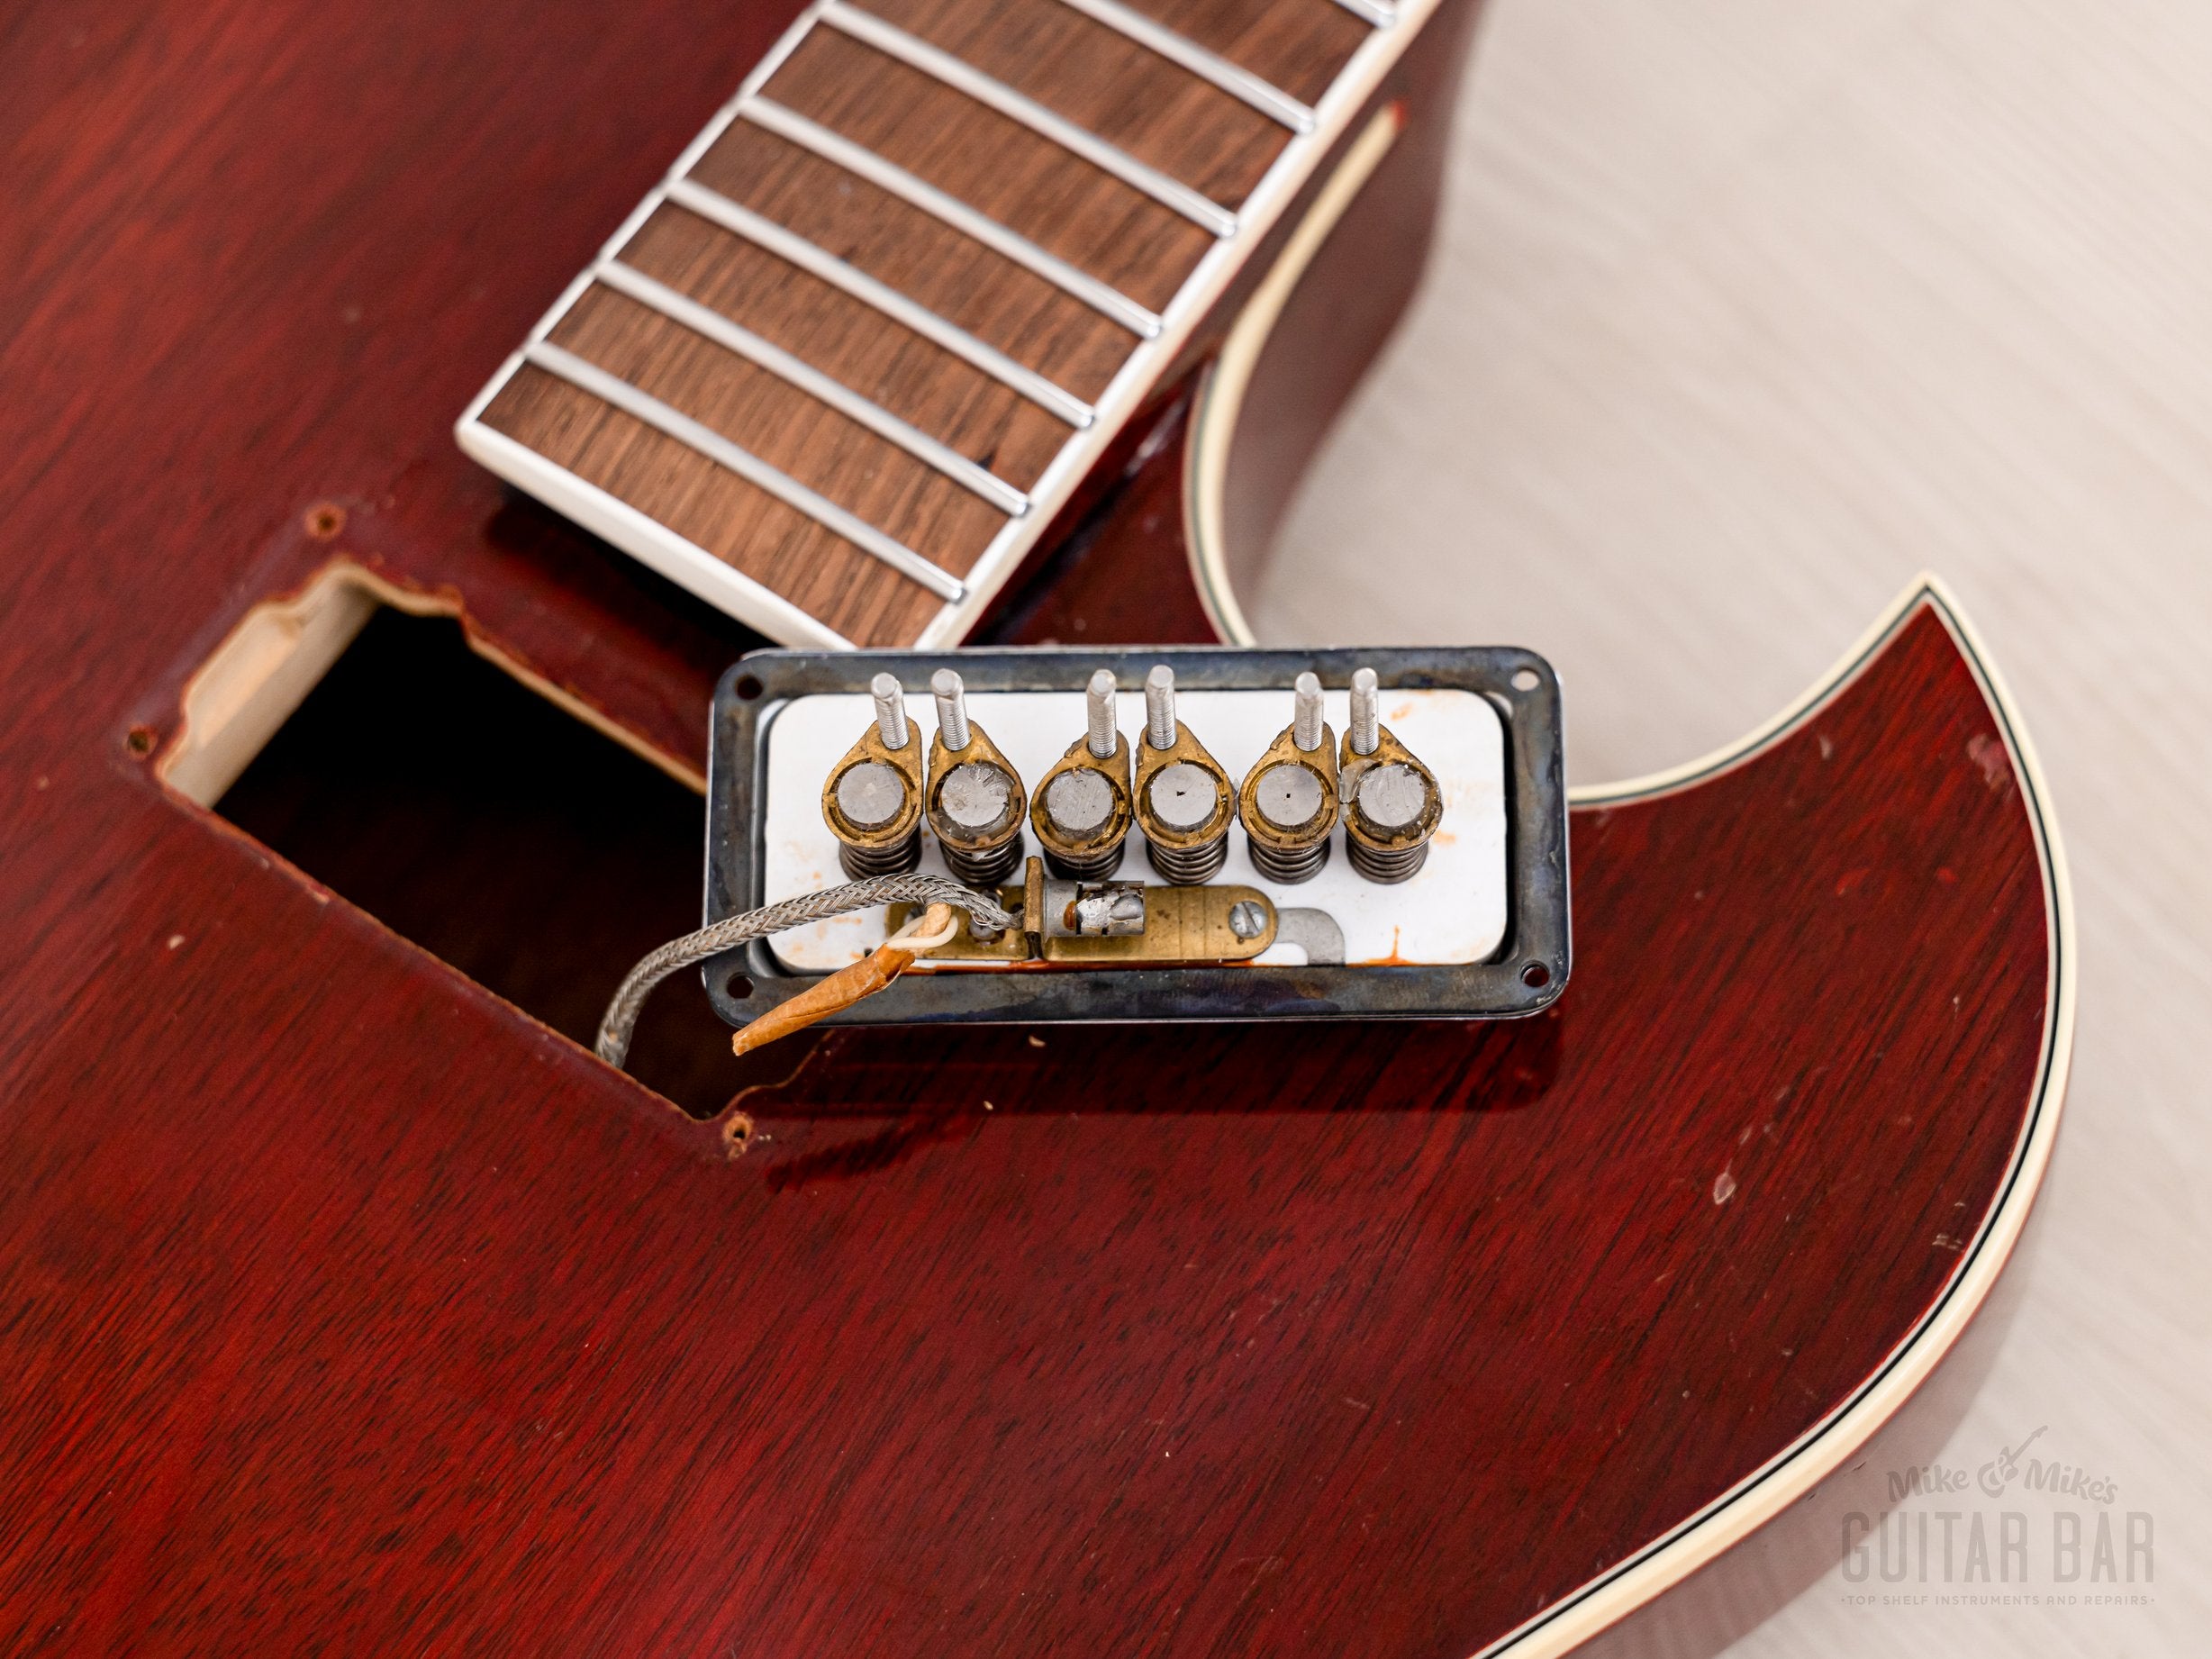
[140, 741]
[1536, 975]
[736, 987]
[1527, 680]
[748, 688]
[324, 520]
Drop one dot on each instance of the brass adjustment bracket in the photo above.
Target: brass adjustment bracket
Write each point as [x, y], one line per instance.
[1287, 802]
[858, 784]
[1172, 766]
[1391, 802]
[975, 799]
[1082, 809]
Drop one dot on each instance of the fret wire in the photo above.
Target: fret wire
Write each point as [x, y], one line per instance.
[1233, 79]
[667, 550]
[817, 261]
[835, 147]
[680, 308]
[672, 423]
[1378, 14]
[965, 77]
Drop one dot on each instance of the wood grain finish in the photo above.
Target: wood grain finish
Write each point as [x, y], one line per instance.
[812, 443]
[1371, 1341]
[346, 1306]
[712, 507]
[1298, 45]
[900, 371]
[958, 278]
[1108, 85]
[1027, 183]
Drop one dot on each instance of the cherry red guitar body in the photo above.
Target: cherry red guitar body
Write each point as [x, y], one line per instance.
[344, 1306]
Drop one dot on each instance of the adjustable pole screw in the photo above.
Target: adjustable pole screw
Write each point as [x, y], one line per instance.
[890, 710]
[1307, 729]
[952, 722]
[1366, 727]
[1101, 736]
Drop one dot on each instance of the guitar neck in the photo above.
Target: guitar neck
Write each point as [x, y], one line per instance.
[839, 371]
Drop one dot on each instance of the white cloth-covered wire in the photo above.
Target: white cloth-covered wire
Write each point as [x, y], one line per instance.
[620, 1021]
[912, 938]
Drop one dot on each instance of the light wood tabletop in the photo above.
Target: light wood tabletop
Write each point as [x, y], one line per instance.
[1740, 316]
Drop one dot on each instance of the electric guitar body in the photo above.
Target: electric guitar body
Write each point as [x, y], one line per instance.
[347, 1306]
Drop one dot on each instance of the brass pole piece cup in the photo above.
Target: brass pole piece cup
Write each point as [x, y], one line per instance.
[1288, 801]
[1083, 807]
[1391, 802]
[872, 799]
[1184, 799]
[975, 800]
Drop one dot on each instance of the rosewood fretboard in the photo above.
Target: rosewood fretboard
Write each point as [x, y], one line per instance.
[840, 368]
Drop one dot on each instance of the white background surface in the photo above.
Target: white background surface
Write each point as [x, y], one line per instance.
[1741, 315]
[1452, 911]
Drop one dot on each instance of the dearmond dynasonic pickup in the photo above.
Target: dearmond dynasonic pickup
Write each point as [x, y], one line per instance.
[1169, 849]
